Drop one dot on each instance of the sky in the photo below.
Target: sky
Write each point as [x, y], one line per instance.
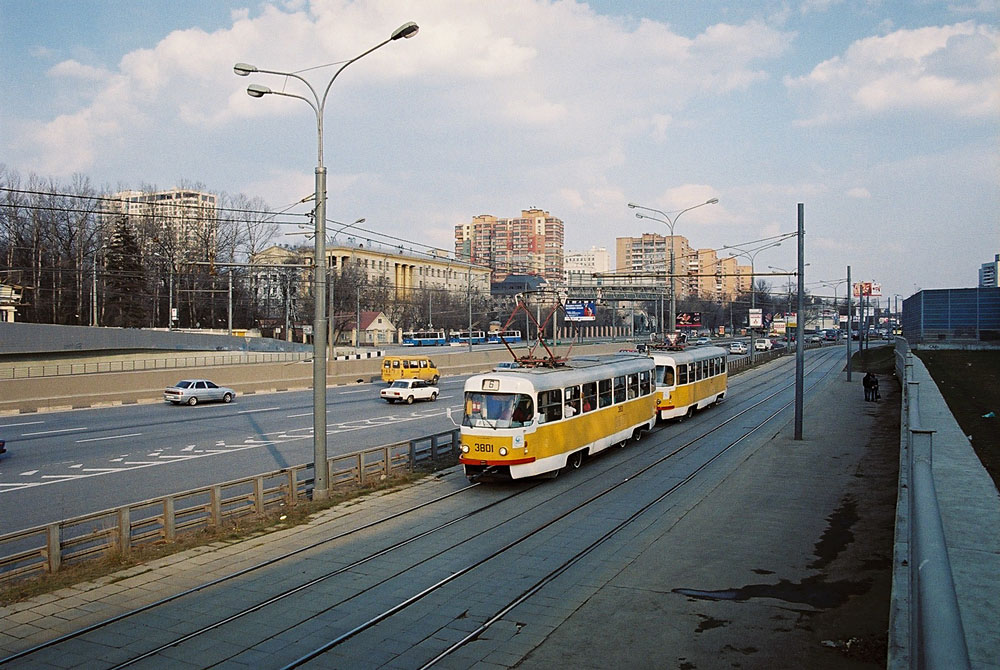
[879, 116]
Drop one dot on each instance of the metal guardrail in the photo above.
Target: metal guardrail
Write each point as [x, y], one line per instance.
[936, 636]
[44, 549]
[141, 364]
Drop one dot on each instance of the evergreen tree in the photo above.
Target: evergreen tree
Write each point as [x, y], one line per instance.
[124, 301]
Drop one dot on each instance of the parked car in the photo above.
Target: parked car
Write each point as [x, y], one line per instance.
[408, 390]
[814, 338]
[738, 347]
[506, 365]
[702, 340]
[194, 391]
[763, 344]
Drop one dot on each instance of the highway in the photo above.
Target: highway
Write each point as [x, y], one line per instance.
[64, 464]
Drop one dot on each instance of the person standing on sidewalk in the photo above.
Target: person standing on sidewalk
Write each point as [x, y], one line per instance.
[870, 383]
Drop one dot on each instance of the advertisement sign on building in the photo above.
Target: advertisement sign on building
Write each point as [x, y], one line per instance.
[688, 319]
[868, 288]
[756, 318]
[581, 310]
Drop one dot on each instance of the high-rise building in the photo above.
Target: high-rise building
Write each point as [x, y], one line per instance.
[988, 272]
[651, 253]
[530, 244]
[578, 266]
[177, 222]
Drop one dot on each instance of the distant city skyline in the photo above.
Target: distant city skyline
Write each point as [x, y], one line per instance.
[880, 117]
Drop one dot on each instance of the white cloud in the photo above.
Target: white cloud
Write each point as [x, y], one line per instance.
[948, 70]
[858, 192]
[72, 69]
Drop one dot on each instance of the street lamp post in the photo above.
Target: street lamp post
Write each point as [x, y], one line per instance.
[321, 487]
[670, 224]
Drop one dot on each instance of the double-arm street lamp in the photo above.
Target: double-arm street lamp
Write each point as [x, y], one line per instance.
[321, 487]
[669, 222]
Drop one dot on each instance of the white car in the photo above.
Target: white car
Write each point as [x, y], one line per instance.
[408, 390]
[763, 344]
[738, 347]
[506, 365]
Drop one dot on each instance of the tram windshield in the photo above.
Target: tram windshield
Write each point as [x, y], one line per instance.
[665, 375]
[498, 410]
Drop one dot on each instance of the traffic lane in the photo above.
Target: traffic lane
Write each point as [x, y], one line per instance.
[137, 470]
[100, 432]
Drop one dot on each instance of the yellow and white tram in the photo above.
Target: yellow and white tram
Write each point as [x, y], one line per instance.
[689, 380]
[533, 421]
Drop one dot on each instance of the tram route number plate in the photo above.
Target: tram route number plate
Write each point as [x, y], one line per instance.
[491, 384]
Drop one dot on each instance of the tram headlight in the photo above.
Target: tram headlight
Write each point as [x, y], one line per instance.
[465, 448]
[503, 451]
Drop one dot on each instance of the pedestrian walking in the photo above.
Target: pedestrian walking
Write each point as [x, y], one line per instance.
[871, 384]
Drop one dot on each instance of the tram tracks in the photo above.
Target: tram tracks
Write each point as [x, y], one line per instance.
[437, 586]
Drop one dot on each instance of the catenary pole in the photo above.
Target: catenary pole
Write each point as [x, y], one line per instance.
[800, 326]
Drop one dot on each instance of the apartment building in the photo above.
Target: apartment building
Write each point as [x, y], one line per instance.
[180, 223]
[529, 244]
[651, 253]
[579, 266]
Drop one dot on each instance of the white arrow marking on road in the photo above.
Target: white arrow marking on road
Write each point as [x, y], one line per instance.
[29, 473]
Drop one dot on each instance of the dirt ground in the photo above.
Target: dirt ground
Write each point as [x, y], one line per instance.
[970, 384]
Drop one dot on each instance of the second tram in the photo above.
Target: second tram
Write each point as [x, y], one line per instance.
[689, 380]
[536, 421]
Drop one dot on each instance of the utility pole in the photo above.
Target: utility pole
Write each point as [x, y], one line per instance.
[850, 290]
[800, 327]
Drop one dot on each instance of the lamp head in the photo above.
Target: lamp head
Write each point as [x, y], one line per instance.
[257, 91]
[244, 69]
[406, 31]
[631, 205]
[713, 201]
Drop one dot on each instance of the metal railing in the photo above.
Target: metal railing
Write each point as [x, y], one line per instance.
[44, 549]
[936, 638]
[153, 363]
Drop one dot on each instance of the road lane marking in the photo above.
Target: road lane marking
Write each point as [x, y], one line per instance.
[262, 409]
[29, 473]
[110, 437]
[350, 392]
[49, 432]
[23, 423]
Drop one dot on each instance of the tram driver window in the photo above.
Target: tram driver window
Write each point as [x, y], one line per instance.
[665, 374]
[604, 392]
[589, 396]
[619, 389]
[549, 405]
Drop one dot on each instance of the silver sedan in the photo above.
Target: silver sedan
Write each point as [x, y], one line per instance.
[194, 391]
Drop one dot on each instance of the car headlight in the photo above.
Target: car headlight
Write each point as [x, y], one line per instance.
[465, 448]
[503, 451]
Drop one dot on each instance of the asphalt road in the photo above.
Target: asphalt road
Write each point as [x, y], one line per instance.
[64, 464]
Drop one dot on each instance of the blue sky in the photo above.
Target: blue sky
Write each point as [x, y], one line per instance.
[880, 116]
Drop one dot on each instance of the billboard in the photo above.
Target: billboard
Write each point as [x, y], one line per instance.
[688, 319]
[581, 310]
[756, 317]
[868, 288]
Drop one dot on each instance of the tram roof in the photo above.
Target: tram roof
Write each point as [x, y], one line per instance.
[689, 355]
[576, 370]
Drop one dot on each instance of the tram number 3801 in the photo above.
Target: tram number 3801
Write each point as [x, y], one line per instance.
[480, 447]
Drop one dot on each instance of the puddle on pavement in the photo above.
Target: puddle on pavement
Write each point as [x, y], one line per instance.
[812, 591]
[838, 533]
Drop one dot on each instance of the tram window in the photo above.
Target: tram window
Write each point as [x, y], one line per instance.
[706, 369]
[571, 400]
[668, 375]
[723, 370]
[604, 392]
[619, 389]
[550, 405]
[682, 374]
[589, 396]
[633, 386]
[644, 386]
